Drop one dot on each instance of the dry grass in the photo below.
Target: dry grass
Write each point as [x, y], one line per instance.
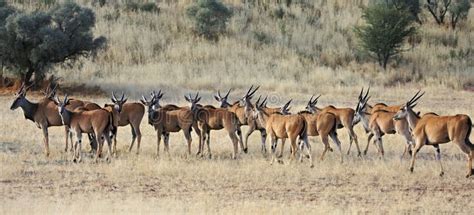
[186, 184]
[314, 54]
[312, 46]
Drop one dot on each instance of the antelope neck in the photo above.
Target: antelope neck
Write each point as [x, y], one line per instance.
[412, 119]
[29, 109]
[66, 117]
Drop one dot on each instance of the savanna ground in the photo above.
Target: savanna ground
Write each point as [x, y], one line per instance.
[179, 183]
[311, 50]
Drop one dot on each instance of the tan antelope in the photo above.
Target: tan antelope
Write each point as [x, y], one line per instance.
[210, 118]
[432, 129]
[98, 122]
[284, 110]
[169, 119]
[74, 104]
[279, 126]
[344, 118]
[379, 122]
[322, 124]
[130, 114]
[256, 125]
[241, 111]
[44, 114]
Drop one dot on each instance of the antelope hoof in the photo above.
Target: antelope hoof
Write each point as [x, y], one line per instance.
[280, 156]
[330, 149]
[307, 156]
[441, 174]
[245, 150]
[312, 166]
[411, 169]
[365, 152]
[471, 173]
[280, 162]
[210, 156]
[74, 160]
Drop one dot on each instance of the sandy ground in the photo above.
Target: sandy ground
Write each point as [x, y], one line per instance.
[179, 183]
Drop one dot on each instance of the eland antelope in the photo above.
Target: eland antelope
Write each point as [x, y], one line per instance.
[432, 129]
[210, 118]
[98, 122]
[279, 126]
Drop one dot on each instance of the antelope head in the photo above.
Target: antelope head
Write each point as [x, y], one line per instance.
[118, 103]
[194, 101]
[156, 97]
[408, 107]
[259, 112]
[360, 110]
[20, 97]
[150, 104]
[311, 106]
[62, 108]
[223, 99]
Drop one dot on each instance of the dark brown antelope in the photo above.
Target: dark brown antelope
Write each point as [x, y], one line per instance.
[279, 126]
[98, 122]
[210, 118]
[241, 111]
[432, 129]
[380, 122]
[169, 119]
[44, 114]
[131, 114]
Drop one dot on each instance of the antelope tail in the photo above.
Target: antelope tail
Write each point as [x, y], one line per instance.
[469, 129]
[110, 125]
[304, 131]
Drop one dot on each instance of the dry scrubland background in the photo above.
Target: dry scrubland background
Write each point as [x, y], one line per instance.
[309, 51]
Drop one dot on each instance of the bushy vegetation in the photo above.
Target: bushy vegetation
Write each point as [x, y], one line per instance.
[459, 11]
[308, 45]
[210, 18]
[385, 32]
[31, 42]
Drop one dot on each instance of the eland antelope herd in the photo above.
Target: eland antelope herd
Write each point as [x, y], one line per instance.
[101, 124]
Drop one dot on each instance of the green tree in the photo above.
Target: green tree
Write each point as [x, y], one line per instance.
[459, 10]
[385, 30]
[30, 43]
[210, 18]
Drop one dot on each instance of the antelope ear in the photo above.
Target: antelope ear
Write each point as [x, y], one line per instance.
[199, 99]
[217, 98]
[113, 100]
[124, 101]
[187, 99]
[143, 102]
